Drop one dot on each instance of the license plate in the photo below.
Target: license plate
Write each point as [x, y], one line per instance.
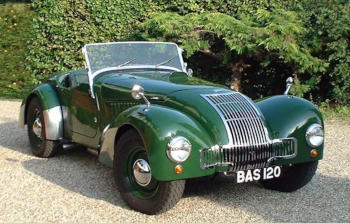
[244, 176]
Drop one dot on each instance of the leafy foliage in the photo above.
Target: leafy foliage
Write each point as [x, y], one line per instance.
[15, 20]
[328, 23]
[63, 27]
[264, 41]
[264, 36]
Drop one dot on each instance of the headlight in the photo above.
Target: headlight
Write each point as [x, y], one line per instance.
[179, 149]
[314, 135]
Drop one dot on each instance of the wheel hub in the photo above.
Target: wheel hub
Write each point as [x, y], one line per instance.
[37, 127]
[142, 172]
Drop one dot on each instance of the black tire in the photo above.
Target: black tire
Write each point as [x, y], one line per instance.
[40, 146]
[292, 177]
[157, 196]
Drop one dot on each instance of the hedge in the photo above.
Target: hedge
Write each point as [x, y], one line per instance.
[15, 25]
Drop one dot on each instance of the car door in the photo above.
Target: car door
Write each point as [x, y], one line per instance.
[79, 109]
[83, 111]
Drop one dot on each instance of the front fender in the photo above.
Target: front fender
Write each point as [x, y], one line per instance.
[52, 111]
[289, 116]
[156, 130]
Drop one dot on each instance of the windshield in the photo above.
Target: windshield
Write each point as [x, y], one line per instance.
[132, 54]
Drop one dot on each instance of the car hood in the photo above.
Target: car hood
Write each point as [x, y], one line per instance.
[174, 93]
[154, 83]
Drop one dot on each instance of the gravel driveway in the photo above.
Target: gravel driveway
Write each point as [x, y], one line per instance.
[75, 187]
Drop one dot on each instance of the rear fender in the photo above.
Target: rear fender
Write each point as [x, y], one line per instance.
[52, 112]
[156, 126]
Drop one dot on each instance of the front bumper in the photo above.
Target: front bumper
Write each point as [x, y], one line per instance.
[234, 158]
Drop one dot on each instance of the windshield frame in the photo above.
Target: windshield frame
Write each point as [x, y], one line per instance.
[146, 66]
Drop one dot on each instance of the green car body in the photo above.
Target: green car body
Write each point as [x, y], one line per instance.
[176, 109]
[96, 112]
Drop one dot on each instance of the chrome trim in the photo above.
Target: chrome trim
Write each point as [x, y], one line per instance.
[142, 172]
[242, 120]
[37, 127]
[97, 103]
[137, 92]
[248, 157]
[289, 84]
[53, 119]
[102, 137]
[307, 134]
[170, 144]
[249, 143]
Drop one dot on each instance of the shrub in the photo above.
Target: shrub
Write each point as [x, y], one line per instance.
[15, 23]
[316, 33]
[251, 41]
[328, 24]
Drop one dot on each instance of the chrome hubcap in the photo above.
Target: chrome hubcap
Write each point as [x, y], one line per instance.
[142, 172]
[37, 127]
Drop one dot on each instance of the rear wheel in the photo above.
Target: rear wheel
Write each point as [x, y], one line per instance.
[40, 146]
[292, 177]
[133, 175]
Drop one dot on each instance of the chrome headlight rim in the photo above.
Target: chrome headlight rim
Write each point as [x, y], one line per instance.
[312, 131]
[171, 147]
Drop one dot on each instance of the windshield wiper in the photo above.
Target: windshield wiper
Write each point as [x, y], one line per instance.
[127, 62]
[166, 61]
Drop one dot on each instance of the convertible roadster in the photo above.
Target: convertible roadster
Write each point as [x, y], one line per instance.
[135, 105]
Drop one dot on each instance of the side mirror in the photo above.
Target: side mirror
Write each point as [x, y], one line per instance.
[289, 84]
[137, 92]
[189, 72]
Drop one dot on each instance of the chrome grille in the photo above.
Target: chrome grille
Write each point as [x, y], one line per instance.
[249, 144]
[247, 157]
[243, 123]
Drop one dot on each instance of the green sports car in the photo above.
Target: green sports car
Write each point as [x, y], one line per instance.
[137, 107]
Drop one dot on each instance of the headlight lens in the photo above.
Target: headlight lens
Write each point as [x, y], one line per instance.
[314, 135]
[179, 149]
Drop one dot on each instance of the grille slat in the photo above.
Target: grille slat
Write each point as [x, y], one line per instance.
[249, 144]
[241, 118]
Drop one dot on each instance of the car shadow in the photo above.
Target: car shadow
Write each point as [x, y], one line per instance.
[80, 172]
[13, 137]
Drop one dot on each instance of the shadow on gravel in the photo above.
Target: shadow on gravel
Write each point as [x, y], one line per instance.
[13, 137]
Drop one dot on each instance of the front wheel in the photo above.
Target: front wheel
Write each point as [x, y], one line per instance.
[292, 177]
[134, 179]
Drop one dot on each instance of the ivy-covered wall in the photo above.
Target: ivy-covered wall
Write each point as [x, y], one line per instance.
[15, 27]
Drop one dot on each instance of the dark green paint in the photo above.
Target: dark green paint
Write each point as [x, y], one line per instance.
[177, 109]
[48, 98]
[289, 116]
[155, 130]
